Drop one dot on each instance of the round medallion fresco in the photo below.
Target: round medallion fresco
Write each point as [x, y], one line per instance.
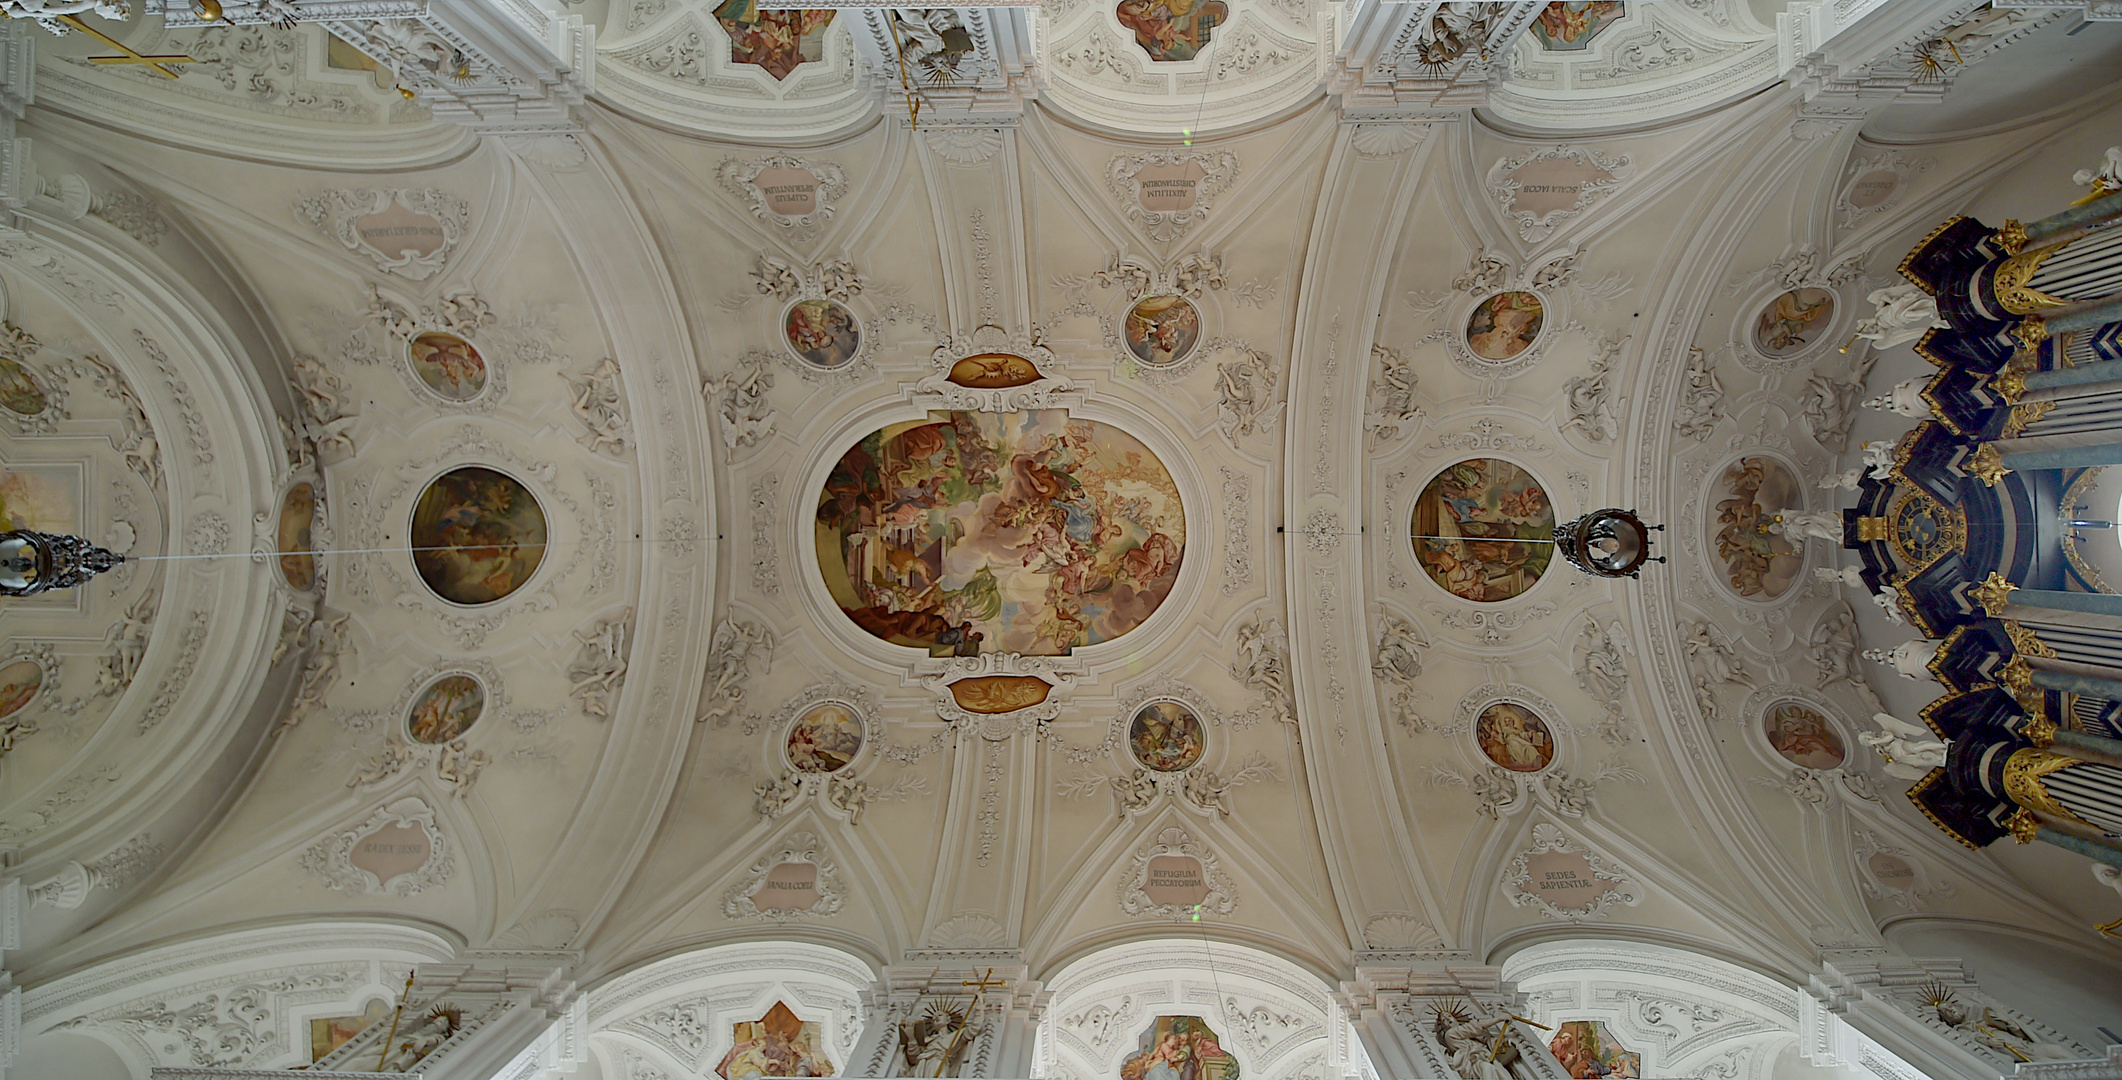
[1803, 736]
[19, 682]
[1026, 532]
[1165, 736]
[824, 739]
[19, 392]
[1162, 330]
[449, 366]
[477, 535]
[298, 513]
[1470, 527]
[446, 709]
[1504, 325]
[1757, 564]
[1793, 321]
[1515, 737]
[823, 333]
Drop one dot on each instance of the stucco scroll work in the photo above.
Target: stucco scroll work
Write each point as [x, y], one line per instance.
[1169, 191]
[789, 882]
[794, 195]
[397, 850]
[1565, 880]
[1176, 876]
[993, 370]
[1545, 188]
[405, 231]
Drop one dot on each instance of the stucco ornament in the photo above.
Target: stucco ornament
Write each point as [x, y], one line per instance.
[1601, 881]
[391, 226]
[1220, 898]
[331, 858]
[741, 900]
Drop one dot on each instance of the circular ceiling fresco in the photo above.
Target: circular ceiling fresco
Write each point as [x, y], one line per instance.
[824, 739]
[1027, 532]
[1803, 736]
[1165, 736]
[1483, 530]
[446, 709]
[478, 535]
[1515, 737]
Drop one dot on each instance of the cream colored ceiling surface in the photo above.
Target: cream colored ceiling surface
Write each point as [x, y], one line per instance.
[1385, 767]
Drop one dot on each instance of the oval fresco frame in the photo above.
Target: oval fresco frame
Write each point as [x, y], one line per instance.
[865, 341]
[1208, 312]
[486, 705]
[317, 535]
[1554, 318]
[1755, 709]
[837, 696]
[796, 532]
[1466, 722]
[484, 401]
[1750, 356]
[1403, 525]
[39, 657]
[1699, 534]
[484, 671]
[545, 568]
[1126, 748]
[1187, 357]
[54, 392]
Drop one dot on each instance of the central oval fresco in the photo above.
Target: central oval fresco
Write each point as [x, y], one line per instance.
[1025, 532]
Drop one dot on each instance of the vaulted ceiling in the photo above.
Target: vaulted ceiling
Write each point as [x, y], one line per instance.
[207, 264]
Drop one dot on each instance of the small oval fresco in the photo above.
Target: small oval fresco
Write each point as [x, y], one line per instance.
[449, 365]
[1505, 325]
[1166, 736]
[1515, 737]
[19, 392]
[1757, 564]
[824, 739]
[19, 682]
[477, 535]
[298, 515]
[823, 333]
[446, 709]
[1162, 330]
[1804, 737]
[993, 371]
[1482, 529]
[1793, 321]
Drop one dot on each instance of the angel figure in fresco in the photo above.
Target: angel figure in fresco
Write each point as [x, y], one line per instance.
[1565, 23]
[773, 40]
[1172, 30]
[1786, 325]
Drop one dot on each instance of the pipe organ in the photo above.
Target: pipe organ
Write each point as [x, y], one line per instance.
[1971, 524]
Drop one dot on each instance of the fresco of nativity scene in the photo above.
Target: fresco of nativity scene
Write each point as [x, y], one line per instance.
[775, 41]
[1172, 30]
[1025, 532]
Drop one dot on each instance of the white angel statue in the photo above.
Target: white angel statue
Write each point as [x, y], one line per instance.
[1909, 750]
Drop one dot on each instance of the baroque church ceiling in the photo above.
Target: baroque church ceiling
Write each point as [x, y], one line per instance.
[639, 489]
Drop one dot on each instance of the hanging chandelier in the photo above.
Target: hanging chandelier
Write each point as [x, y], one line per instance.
[34, 562]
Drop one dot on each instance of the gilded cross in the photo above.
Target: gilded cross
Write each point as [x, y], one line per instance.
[130, 56]
[986, 982]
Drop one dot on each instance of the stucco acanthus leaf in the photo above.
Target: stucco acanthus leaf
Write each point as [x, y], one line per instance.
[599, 669]
[739, 402]
[1831, 404]
[598, 401]
[1246, 402]
[737, 650]
[1393, 410]
[1397, 662]
[330, 858]
[1263, 667]
[797, 847]
[337, 213]
[1594, 405]
[739, 177]
[1496, 791]
[328, 412]
[1701, 405]
[217, 1026]
[1602, 672]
